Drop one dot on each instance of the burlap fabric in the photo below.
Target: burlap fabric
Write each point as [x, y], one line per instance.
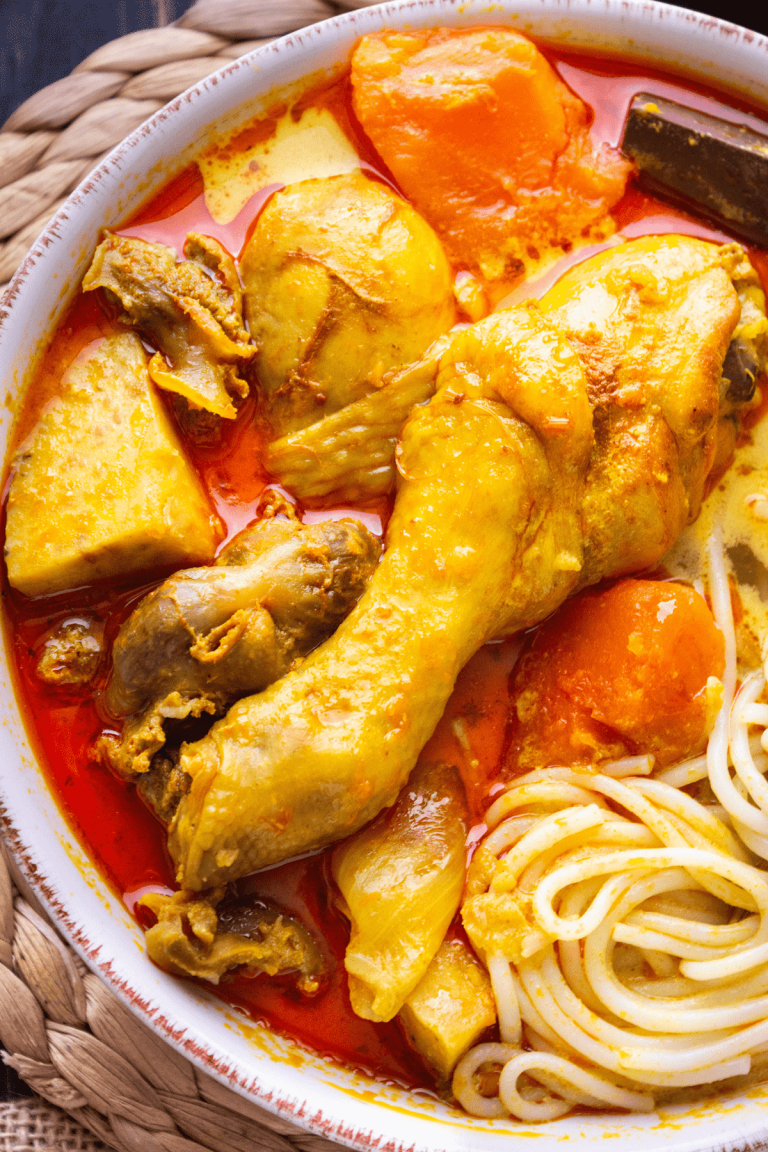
[103, 1079]
[34, 1126]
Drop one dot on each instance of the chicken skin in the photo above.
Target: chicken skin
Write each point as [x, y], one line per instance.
[344, 283]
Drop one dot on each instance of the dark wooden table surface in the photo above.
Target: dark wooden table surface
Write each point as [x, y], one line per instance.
[43, 40]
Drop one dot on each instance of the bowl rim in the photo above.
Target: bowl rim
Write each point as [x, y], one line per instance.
[334, 1105]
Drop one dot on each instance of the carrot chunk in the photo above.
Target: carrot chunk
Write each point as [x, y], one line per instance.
[616, 673]
[486, 141]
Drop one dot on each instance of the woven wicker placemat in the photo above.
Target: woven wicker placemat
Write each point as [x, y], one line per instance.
[61, 132]
[102, 1077]
[82, 1051]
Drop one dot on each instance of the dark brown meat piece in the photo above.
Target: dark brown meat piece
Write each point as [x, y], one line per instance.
[208, 937]
[257, 921]
[191, 311]
[162, 787]
[207, 636]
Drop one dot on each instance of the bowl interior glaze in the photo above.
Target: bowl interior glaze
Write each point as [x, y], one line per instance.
[346, 1106]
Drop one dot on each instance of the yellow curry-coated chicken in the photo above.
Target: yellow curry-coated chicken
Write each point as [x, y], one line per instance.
[651, 321]
[634, 313]
[485, 538]
[536, 468]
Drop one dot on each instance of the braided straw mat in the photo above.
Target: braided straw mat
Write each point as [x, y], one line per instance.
[102, 1078]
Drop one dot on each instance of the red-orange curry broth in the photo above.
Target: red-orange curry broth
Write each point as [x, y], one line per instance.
[120, 835]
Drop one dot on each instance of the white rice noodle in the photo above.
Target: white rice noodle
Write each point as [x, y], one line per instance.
[654, 874]
[510, 1024]
[628, 766]
[599, 1091]
[464, 1079]
[685, 773]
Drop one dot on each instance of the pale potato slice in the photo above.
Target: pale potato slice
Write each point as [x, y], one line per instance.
[450, 1007]
[102, 487]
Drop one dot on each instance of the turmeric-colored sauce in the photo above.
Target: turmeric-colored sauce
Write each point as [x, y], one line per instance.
[121, 836]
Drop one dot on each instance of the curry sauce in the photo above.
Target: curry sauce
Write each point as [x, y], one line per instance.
[119, 833]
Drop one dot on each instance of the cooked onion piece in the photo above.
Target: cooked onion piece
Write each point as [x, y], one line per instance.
[401, 880]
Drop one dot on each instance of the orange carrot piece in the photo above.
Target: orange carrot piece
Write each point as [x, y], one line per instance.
[486, 141]
[616, 673]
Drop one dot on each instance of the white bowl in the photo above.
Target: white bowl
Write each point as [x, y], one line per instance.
[345, 1106]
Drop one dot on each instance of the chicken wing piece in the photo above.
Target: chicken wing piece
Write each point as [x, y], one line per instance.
[344, 282]
[209, 635]
[193, 316]
[485, 538]
[611, 319]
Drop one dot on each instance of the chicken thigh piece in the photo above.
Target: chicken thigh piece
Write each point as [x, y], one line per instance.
[656, 324]
[611, 314]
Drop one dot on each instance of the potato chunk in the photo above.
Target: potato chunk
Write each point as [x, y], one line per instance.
[101, 487]
[344, 281]
[450, 1007]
